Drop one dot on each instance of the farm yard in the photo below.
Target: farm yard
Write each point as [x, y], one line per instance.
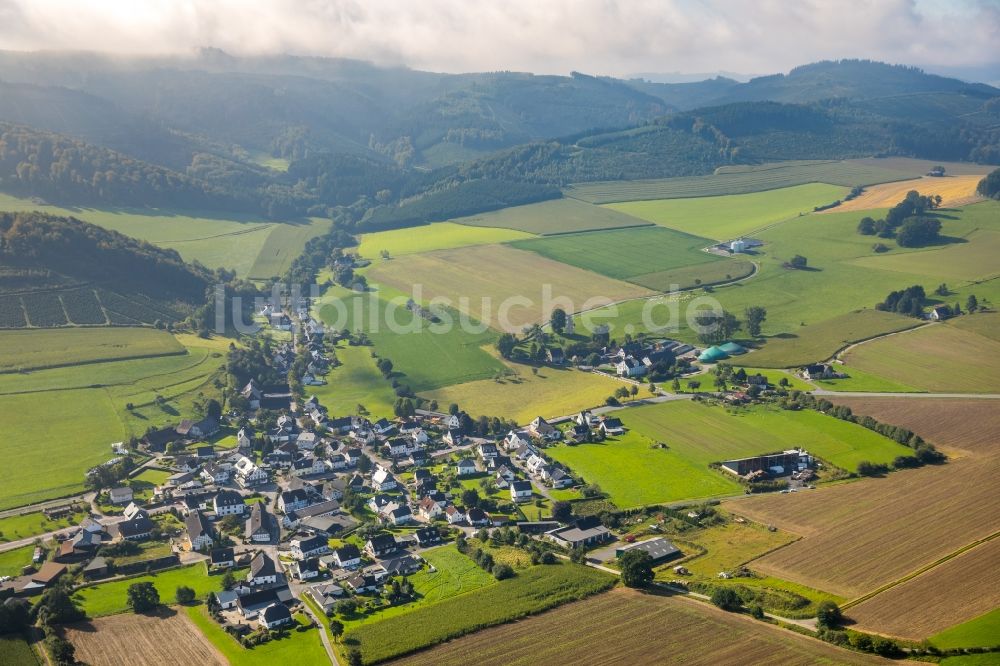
[141, 640]
[859, 536]
[430, 237]
[729, 216]
[33, 350]
[938, 358]
[652, 257]
[744, 180]
[962, 588]
[486, 275]
[581, 633]
[559, 216]
[531, 591]
[526, 394]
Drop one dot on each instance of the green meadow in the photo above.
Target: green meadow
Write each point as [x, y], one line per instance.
[634, 472]
[13, 561]
[48, 348]
[859, 380]
[16, 651]
[730, 216]
[654, 257]
[355, 382]
[559, 216]
[111, 597]
[284, 244]
[422, 357]
[983, 631]
[430, 237]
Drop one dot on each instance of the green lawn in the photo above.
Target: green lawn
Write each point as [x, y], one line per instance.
[743, 179]
[983, 631]
[110, 598]
[438, 236]
[987, 659]
[633, 473]
[16, 651]
[558, 216]
[12, 561]
[425, 355]
[531, 591]
[15, 528]
[654, 257]
[153, 476]
[299, 647]
[48, 348]
[730, 216]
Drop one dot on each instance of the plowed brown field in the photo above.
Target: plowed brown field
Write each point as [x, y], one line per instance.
[142, 640]
[629, 627]
[958, 590]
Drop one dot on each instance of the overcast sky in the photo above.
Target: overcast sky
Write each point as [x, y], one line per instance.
[617, 37]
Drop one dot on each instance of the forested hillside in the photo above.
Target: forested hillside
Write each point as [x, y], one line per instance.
[56, 271]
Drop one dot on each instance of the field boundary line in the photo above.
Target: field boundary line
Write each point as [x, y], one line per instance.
[96, 361]
[910, 576]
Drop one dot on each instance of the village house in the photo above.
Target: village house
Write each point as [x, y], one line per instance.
[488, 451]
[275, 616]
[453, 437]
[428, 509]
[222, 558]
[427, 536]
[397, 515]
[296, 498]
[306, 569]
[381, 545]
[630, 367]
[253, 394]
[520, 491]
[248, 474]
[262, 570]
[217, 474]
[228, 503]
[308, 466]
[454, 515]
[200, 533]
[477, 517]
[466, 467]
[347, 556]
[302, 548]
[136, 527]
[120, 496]
[259, 524]
[326, 595]
[542, 429]
[516, 439]
[612, 426]
[383, 480]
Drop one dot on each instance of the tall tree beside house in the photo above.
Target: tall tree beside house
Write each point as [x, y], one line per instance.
[558, 320]
[636, 567]
[755, 316]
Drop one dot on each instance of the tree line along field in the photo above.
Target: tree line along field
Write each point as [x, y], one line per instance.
[424, 356]
[743, 180]
[633, 472]
[531, 591]
[917, 609]
[729, 216]
[937, 358]
[246, 244]
[649, 256]
[33, 350]
[630, 627]
[960, 426]
[141, 640]
[487, 275]
[860, 536]
[430, 237]
[558, 216]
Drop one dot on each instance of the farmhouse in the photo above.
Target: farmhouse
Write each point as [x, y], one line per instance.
[259, 524]
[228, 503]
[275, 616]
[222, 558]
[309, 547]
[120, 496]
[775, 464]
[611, 426]
[262, 570]
[136, 526]
[659, 549]
[200, 533]
[630, 367]
[251, 605]
[383, 480]
[820, 371]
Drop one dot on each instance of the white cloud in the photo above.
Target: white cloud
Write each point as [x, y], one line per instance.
[596, 36]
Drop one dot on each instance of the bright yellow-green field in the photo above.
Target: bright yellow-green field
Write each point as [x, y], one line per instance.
[438, 236]
[970, 258]
[731, 216]
[552, 392]
[356, 381]
[937, 358]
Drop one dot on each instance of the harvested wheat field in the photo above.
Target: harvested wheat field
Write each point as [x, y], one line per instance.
[954, 191]
[960, 425]
[629, 627]
[860, 536]
[142, 640]
[500, 286]
[958, 590]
